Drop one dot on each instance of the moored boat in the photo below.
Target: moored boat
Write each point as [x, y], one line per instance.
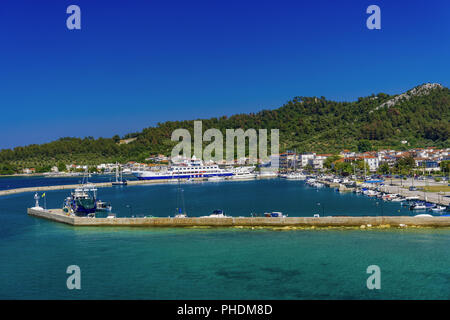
[438, 209]
[274, 214]
[119, 177]
[418, 206]
[243, 173]
[185, 170]
[216, 214]
[295, 176]
[103, 206]
[82, 201]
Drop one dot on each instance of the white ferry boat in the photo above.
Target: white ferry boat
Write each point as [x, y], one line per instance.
[186, 170]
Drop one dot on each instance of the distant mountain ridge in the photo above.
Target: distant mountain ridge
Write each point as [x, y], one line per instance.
[420, 116]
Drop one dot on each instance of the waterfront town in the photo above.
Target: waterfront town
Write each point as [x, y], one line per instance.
[423, 160]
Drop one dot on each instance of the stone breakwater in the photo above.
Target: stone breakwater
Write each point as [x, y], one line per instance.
[382, 221]
[74, 186]
[100, 185]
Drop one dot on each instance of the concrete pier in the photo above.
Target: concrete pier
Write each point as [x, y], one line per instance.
[74, 186]
[58, 215]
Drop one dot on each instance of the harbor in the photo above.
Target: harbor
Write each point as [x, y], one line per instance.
[441, 198]
[247, 255]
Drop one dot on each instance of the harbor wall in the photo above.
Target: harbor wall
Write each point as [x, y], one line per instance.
[74, 186]
[102, 185]
[331, 221]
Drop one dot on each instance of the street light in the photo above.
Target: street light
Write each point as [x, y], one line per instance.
[381, 206]
[323, 208]
[131, 209]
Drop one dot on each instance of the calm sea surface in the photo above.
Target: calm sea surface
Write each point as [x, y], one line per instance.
[170, 263]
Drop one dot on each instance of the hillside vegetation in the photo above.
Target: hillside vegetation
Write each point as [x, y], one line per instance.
[421, 116]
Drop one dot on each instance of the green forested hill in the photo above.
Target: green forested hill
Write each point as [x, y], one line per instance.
[421, 116]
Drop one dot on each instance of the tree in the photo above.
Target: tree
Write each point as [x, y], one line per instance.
[405, 163]
[330, 160]
[304, 123]
[7, 168]
[445, 166]
[344, 168]
[61, 167]
[364, 146]
[92, 169]
[116, 138]
[384, 168]
[43, 169]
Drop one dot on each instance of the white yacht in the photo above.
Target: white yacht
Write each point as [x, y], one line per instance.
[295, 176]
[243, 173]
[418, 206]
[216, 214]
[267, 174]
[371, 193]
[438, 208]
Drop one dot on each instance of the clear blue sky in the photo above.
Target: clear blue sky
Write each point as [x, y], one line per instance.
[135, 63]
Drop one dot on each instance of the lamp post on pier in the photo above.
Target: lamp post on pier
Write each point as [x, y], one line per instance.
[380, 204]
[131, 209]
[323, 208]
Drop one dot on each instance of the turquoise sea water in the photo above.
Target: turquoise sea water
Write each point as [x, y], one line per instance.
[219, 263]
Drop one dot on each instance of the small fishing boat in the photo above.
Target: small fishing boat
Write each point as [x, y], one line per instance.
[103, 206]
[418, 206]
[274, 214]
[423, 216]
[82, 201]
[438, 209]
[370, 193]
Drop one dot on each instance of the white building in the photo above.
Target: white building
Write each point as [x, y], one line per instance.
[372, 163]
[307, 158]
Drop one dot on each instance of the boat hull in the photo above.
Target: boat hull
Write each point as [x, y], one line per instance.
[84, 206]
[186, 176]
